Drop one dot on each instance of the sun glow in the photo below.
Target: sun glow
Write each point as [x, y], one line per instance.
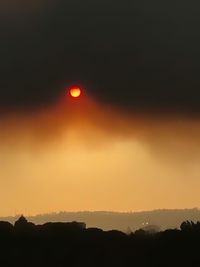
[75, 92]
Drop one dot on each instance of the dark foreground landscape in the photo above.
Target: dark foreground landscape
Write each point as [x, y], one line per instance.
[72, 244]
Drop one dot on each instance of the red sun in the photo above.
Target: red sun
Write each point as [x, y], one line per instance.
[75, 91]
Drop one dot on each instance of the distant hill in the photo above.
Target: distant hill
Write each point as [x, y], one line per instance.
[163, 219]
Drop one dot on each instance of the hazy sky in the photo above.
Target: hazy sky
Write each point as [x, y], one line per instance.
[81, 156]
[132, 141]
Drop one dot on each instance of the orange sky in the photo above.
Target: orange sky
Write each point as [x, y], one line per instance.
[84, 156]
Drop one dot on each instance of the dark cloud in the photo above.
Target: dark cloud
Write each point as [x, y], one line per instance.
[139, 54]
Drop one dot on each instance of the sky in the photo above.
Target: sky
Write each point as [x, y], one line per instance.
[131, 141]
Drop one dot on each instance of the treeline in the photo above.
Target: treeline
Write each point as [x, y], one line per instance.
[72, 244]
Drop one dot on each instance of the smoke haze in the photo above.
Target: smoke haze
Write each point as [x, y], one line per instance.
[81, 155]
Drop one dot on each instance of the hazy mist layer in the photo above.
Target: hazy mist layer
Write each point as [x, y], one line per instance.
[80, 155]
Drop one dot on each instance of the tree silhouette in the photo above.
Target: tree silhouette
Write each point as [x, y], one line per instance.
[73, 244]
